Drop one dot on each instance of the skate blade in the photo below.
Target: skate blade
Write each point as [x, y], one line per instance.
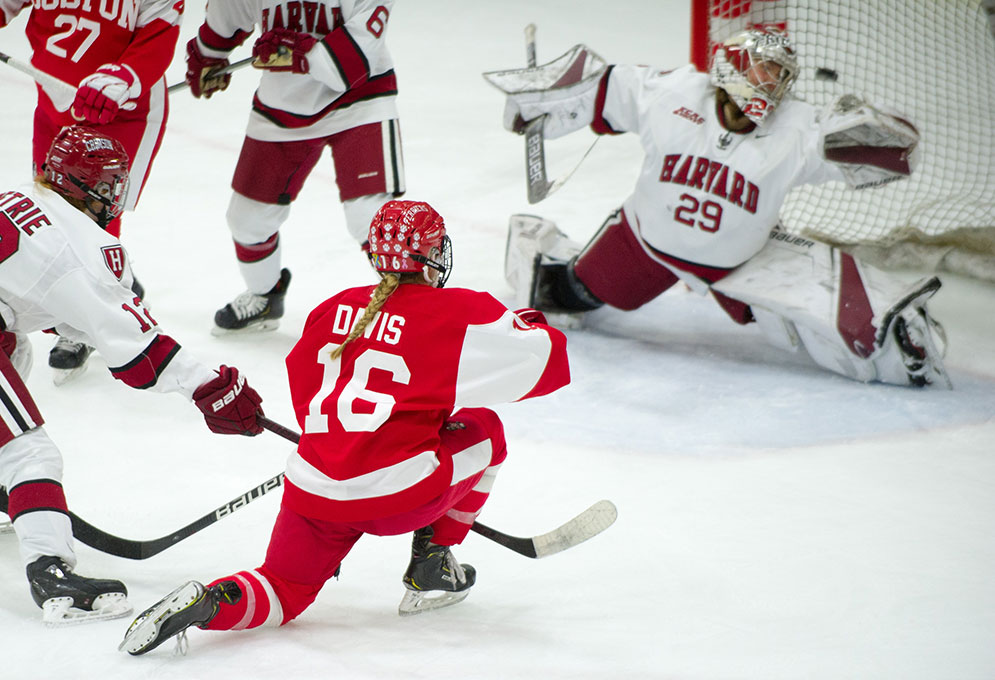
[145, 629]
[60, 376]
[254, 327]
[416, 602]
[59, 611]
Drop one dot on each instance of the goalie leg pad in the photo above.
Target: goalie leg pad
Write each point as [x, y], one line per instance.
[852, 318]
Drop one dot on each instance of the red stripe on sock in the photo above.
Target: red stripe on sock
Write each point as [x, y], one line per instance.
[42, 494]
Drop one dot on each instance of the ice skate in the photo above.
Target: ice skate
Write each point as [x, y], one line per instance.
[189, 605]
[250, 312]
[434, 578]
[68, 360]
[67, 598]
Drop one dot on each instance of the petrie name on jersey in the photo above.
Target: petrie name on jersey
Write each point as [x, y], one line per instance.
[21, 211]
[713, 177]
[302, 16]
[387, 326]
[125, 11]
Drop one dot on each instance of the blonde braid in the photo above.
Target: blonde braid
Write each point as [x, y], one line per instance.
[388, 284]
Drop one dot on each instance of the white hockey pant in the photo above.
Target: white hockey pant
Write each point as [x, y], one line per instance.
[852, 318]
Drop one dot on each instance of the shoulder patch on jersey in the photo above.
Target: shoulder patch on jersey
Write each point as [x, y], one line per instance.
[114, 259]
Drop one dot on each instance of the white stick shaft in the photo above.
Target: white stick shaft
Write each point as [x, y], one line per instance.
[60, 92]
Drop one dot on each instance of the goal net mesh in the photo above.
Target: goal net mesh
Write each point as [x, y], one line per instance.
[933, 60]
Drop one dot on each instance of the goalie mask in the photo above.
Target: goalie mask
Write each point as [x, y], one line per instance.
[756, 68]
[408, 236]
[85, 165]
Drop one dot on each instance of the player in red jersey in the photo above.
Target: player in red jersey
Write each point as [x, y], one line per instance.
[389, 384]
[116, 55]
[58, 269]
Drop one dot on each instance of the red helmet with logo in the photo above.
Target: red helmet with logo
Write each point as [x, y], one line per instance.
[407, 236]
[85, 164]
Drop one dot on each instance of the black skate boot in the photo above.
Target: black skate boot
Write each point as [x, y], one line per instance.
[252, 312]
[189, 605]
[66, 597]
[433, 569]
[68, 359]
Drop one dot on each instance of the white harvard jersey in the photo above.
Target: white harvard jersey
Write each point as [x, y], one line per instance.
[59, 270]
[351, 79]
[705, 195]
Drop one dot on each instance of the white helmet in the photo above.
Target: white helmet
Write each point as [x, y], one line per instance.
[734, 59]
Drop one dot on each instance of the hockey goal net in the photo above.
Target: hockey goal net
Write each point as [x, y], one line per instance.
[931, 59]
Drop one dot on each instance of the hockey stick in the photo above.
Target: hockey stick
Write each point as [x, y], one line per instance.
[535, 150]
[221, 71]
[140, 550]
[586, 525]
[60, 92]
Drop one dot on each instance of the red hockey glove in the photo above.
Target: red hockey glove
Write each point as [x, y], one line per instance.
[229, 405]
[103, 93]
[283, 50]
[202, 76]
[529, 315]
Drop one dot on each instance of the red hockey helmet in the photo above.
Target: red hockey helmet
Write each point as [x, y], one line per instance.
[407, 236]
[84, 164]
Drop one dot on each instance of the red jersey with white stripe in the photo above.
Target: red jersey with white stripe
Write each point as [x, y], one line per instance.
[351, 79]
[59, 270]
[70, 43]
[371, 418]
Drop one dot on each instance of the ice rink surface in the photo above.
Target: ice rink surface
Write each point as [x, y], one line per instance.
[775, 521]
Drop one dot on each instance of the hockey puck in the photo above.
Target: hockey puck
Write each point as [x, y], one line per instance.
[823, 73]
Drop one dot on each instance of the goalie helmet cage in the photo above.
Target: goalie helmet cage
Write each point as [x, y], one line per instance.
[933, 60]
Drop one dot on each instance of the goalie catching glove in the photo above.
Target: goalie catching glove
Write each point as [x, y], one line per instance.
[229, 405]
[871, 146]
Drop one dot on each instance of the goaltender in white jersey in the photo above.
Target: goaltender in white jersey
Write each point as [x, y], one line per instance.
[59, 270]
[722, 151]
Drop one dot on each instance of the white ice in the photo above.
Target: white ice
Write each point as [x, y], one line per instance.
[775, 521]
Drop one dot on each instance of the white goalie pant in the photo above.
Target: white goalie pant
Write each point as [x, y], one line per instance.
[851, 318]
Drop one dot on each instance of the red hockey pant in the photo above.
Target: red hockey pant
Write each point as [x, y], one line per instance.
[304, 553]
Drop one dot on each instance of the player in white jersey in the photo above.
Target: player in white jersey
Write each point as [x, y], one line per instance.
[328, 81]
[60, 270]
[722, 151]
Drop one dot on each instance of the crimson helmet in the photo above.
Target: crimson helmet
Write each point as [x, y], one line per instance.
[407, 236]
[733, 60]
[85, 164]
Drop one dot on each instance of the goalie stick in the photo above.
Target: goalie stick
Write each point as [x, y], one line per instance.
[535, 149]
[587, 524]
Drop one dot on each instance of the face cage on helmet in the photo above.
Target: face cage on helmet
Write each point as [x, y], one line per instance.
[755, 101]
[113, 205]
[445, 267]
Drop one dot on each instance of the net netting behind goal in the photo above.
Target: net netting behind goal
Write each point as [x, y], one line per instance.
[933, 60]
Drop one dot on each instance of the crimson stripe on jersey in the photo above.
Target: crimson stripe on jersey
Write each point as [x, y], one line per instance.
[702, 271]
[143, 371]
[348, 58]
[218, 42]
[17, 401]
[383, 85]
[855, 316]
[599, 124]
[256, 251]
[36, 495]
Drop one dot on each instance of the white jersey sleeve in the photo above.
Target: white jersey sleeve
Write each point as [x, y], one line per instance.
[62, 271]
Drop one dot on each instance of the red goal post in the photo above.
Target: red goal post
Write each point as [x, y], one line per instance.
[933, 60]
